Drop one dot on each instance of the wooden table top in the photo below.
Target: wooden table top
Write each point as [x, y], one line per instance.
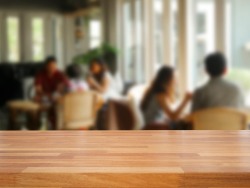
[125, 159]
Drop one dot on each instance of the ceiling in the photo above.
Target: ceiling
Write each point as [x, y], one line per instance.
[73, 5]
[59, 5]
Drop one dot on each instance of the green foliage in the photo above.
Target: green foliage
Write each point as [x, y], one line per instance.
[240, 76]
[101, 52]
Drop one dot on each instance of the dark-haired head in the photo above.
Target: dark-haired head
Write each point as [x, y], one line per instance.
[51, 64]
[50, 59]
[161, 84]
[98, 69]
[74, 71]
[215, 64]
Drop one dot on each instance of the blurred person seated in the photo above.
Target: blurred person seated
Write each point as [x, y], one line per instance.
[50, 85]
[156, 104]
[218, 92]
[76, 82]
[101, 80]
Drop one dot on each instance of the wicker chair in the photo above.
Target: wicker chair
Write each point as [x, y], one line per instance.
[78, 110]
[220, 119]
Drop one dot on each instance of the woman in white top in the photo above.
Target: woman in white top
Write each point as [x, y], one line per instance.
[101, 80]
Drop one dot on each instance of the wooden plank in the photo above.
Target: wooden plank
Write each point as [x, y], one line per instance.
[125, 159]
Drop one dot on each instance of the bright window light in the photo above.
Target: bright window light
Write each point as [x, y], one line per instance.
[38, 39]
[13, 39]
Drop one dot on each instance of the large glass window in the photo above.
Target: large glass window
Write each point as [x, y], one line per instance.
[228, 30]
[139, 60]
[204, 37]
[174, 32]
[38, 39]
[238, 44]
[13, 39]
[201, 23]
[128, 45]
[132, 43]
[158, 33]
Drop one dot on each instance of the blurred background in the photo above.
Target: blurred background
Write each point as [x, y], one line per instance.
[135, 37]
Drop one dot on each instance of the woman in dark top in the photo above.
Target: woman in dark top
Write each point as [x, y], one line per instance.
[156, 104]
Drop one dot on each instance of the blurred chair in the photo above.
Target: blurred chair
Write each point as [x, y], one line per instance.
[135, 96]
[79, 111]
[220, 119]
[31, 109]
[119, 116]
[135, 108]
[137, 93]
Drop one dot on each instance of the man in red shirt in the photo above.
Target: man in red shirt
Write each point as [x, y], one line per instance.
[50, 83]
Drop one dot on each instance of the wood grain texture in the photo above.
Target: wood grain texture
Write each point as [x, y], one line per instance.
[125, 159]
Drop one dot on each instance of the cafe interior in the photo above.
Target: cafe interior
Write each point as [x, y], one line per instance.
[131, 42]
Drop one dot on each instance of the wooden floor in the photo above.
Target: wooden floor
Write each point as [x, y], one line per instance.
[125, 159]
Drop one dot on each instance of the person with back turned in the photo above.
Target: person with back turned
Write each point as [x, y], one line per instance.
[218, 92]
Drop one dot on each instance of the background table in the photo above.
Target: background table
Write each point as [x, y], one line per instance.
[125, 159]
